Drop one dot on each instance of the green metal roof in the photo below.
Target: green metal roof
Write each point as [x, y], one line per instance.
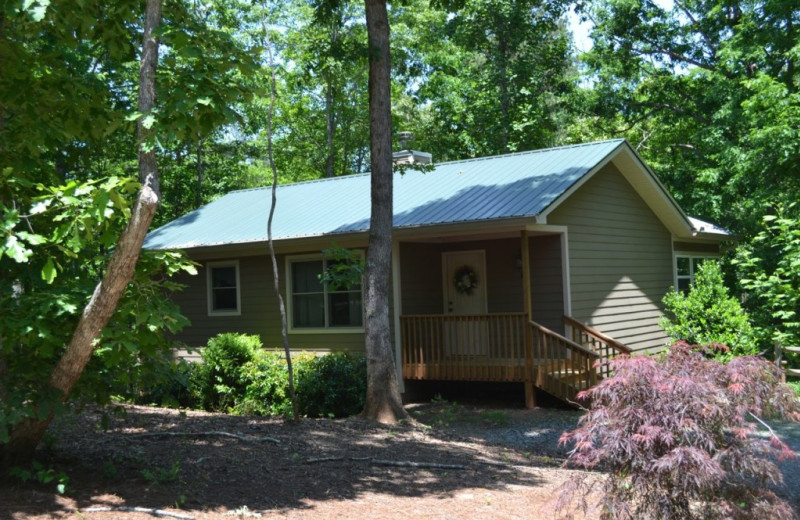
[490, 188]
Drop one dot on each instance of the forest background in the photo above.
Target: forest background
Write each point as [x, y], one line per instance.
[705, 90]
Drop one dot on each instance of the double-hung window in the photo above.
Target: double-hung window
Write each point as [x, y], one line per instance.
[224, 289]
[686, 267]
[315, 305]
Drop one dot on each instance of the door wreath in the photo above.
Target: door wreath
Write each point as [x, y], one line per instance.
[465, 280]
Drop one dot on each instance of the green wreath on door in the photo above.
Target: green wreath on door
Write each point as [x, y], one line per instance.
[465, 280]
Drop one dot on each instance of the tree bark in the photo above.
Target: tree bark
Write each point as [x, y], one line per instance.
[26, 436]
[198, 194]
[383, 403]
[276, 282]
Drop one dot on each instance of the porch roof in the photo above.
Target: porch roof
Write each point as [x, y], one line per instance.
[491, 188]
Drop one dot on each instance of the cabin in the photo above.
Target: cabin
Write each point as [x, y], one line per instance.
[526, 267]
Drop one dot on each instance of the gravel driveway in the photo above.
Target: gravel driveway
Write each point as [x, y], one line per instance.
[538, 431]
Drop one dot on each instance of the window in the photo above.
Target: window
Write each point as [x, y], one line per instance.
[223, 289]
[685, 268]
[314, 305]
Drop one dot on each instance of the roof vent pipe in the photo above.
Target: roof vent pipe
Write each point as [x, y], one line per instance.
[408, 156]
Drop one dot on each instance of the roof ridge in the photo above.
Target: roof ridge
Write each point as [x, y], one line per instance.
[300, 183]
[458, 161]
[531, 152]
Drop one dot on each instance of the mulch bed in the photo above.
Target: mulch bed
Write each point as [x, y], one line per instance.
[149, 461]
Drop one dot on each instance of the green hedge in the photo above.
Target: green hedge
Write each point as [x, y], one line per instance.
[238, 376]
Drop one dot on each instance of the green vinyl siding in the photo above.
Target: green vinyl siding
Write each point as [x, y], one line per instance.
[259, 311]
[620, 260]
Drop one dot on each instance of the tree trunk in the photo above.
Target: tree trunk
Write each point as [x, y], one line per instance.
[273, 201]
[198, 194]
[383, 403]
[26, 436]
[330, 128]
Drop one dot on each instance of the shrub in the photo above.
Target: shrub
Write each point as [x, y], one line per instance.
[334, 385]
[171, 385]
[266, 379]
[238, 376]
[219, 379]
[708, 314]
[676, 434]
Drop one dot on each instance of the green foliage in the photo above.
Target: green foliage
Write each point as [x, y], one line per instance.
[769, 268]
[266, 381]
[171, 384]
[238, 376]
[40, 474]
[219, 379]
[483, 78]
[708, 314]
[795, 386]
[707, 92]
[344, 268]
[333, 385]
[50, 272]
[68, 160]
[159, 475]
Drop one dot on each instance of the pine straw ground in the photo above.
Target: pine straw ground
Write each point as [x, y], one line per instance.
[454, 462]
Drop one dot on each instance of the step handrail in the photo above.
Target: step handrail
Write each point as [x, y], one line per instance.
[572, 344]
[596, 334]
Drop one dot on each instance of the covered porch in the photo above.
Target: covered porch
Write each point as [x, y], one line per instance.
[495, 310]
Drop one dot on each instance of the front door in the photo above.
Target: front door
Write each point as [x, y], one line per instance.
[464, 293]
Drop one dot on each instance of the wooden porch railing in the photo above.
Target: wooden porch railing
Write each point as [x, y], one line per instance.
[495, 347]
[480, 347]
[595, 341]
[563, 367]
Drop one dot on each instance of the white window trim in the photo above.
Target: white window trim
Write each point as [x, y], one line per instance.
[289, 302]
[210, 296]
[691, 256]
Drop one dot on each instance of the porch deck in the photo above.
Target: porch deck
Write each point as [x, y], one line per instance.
[504, 348]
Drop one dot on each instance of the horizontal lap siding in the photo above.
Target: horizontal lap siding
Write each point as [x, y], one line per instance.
[620, 258]
[259, 314]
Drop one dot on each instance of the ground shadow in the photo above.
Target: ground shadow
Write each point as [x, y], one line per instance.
[315, 460]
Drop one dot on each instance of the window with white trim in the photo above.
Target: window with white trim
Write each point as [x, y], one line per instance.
[315, 305]
[686, 267]
[224, 297]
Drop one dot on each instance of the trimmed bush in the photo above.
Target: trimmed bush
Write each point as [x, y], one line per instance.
[219, 380]
[334, 385]
[708, 314]
[171, 387]
[266, 381]
[677, 435]
[238, 376]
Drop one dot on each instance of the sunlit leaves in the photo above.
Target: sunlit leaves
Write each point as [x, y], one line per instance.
[707, 92]
[709, 314]
[769, 269]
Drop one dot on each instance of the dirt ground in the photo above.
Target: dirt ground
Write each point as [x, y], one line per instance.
[455, 462]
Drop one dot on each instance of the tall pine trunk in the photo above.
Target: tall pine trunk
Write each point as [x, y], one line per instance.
[383, 401]
[27, 435]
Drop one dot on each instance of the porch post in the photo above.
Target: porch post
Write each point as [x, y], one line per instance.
[530, 394]
[396, 311]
